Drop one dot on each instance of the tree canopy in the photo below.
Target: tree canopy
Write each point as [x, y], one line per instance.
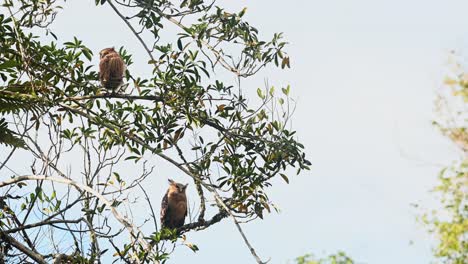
[338, 258]
[52, 106]
[450, 224]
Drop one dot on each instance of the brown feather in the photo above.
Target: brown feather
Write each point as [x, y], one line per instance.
[174, 206]
[111, 69]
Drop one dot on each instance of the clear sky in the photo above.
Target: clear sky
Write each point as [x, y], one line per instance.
[364, 74]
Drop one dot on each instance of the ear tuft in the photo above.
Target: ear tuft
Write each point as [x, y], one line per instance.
[171, 181]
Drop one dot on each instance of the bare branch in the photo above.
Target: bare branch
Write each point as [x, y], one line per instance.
[134, 231]
[131, 28]
[42, 223]
[35, 256]
[200, 225]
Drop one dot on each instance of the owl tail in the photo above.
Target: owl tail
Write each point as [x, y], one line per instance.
[115, 75]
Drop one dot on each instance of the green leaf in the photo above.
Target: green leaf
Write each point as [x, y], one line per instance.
[285, 178]
[9, 64]
[179, 44]
[260, 93]
[286, 90]
[88, 54]
[193, 247]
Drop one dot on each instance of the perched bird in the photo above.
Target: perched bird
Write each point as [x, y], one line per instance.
[174, 205]
[111, 69]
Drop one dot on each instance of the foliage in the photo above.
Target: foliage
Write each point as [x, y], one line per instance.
[12, 101]
[451, 224]
[8, 137]
[452, 229]
[339, 258]
[230, 145]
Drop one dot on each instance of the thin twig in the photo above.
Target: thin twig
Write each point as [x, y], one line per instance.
[131, 28]
[42, 223]
[134, 231]
[182, 168]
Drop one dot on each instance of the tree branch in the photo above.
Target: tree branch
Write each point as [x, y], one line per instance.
[42, 223]
[134, 231]
[121, 96]
[131, 28]
[182, 168]
[33, 255]
[200, 225]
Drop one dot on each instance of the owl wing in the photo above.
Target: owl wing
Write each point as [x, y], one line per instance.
[186, 208]
[103, 72]
[165, 210]
[185, 215]
[116, 71]
[118, 66]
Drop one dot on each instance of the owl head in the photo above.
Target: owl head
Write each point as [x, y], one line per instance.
[177, 187]
[106, 51]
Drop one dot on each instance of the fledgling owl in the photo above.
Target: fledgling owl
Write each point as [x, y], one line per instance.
[111, 69]
[174, 205]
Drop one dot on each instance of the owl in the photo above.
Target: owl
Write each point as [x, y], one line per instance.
[174, 205]
[111, 69]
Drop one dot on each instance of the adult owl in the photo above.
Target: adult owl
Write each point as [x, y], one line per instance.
[111, 69]
[174, 205]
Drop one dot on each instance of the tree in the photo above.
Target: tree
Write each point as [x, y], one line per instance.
[450, 225]
[52, 105]
[339, 258]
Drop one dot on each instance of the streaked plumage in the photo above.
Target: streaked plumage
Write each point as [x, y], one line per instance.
[111, 69]
[174, 205]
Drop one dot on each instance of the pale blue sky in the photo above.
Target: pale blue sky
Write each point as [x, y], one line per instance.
[364, 74]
